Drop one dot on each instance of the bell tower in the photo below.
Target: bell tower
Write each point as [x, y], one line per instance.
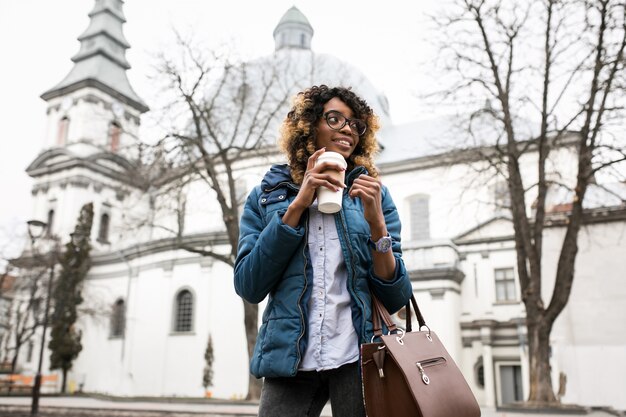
[92, 130]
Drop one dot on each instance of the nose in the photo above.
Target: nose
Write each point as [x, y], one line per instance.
[346, 129]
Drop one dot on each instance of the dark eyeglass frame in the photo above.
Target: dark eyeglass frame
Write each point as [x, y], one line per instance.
[354, 124]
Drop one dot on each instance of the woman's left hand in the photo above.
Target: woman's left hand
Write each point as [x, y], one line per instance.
[369, 190]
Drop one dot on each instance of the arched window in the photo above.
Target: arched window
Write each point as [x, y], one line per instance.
[114, 136]
[479, 373]
[50, 222]
[184, 311]
[302, 40]
[419, 211]
[118, 319]
[63, 128]
[103, 232]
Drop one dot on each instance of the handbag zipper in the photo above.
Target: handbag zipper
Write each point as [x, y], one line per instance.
[426, 364]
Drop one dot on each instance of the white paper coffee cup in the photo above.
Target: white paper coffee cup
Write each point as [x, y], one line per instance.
[330, 201]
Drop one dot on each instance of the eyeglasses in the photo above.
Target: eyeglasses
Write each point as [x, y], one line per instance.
[337, 121]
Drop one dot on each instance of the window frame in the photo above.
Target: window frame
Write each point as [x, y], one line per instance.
[103, 232]
[114, 136]
[412, 200]
[176, 310]
[63, 128]
[118, 316]
[498, 282]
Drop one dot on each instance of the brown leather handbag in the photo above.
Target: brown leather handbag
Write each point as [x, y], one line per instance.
[411, 374]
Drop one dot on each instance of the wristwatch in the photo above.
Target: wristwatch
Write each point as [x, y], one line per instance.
[382, 245]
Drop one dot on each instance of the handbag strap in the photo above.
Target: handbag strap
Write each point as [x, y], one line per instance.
[418, 314]
[376, 323]
[379, 312]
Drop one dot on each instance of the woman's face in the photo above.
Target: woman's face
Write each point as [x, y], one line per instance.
[343, 140]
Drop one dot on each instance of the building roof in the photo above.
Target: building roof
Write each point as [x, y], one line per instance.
[101, 60]
[425, 138]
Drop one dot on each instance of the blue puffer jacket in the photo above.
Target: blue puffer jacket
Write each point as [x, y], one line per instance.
[273, 259]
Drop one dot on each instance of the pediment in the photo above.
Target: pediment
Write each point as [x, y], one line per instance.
[111, 161]
[106, 163]
[50, 158]
[495, 228]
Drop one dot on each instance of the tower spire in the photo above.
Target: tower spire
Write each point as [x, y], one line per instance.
[101, 60]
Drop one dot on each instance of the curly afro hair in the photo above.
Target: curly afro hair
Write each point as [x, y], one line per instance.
[299, 129]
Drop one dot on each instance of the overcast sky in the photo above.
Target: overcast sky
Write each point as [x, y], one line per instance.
[385, 40]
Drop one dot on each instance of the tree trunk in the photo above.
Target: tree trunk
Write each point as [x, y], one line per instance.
[15, 356]
[539, 357]
[64, 381]
[251, 320]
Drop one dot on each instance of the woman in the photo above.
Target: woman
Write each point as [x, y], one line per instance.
[319, 270]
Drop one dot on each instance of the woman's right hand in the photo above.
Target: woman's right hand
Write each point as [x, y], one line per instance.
[314, 177]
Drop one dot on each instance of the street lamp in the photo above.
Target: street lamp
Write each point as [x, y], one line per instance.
[37, 229]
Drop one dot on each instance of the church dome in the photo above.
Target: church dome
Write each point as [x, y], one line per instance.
[302, 68]
[266, 85]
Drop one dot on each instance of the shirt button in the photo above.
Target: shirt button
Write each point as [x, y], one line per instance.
[319, 228]
[321, 248]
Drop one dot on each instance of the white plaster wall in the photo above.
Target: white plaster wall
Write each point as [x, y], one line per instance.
[151, 359]
[588, 339]
[98, 347]
[441, 312]
[89, 121]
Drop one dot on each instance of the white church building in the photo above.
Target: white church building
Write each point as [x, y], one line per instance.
[457, 242]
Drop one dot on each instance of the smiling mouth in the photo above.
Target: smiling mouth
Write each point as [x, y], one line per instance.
[343, 142]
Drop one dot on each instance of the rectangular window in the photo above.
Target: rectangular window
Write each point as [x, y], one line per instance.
[29, 353]
[501, 197]
[419, 212]
[114, 136]
[505, 284]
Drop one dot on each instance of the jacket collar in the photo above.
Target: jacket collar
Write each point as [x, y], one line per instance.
[277, 176]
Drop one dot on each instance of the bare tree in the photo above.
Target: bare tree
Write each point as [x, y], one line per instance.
[220, 113]
[560, 62]
[26, 310]
[19, 299]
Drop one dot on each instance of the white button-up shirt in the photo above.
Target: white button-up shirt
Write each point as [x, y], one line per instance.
[332, 340]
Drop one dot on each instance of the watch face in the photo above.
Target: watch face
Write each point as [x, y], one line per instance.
[383, 245]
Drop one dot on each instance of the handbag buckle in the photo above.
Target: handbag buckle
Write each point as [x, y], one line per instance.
[430, 339]
[399, 338]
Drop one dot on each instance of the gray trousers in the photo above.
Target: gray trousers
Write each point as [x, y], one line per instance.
[306, 394]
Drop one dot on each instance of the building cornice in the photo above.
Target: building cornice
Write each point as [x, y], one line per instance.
[91, 82]
[159, 246]
[464, 156]
[449, 273]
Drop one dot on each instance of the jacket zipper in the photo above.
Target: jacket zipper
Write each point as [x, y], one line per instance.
[426, 364]
[344, 230]
[306, 284]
